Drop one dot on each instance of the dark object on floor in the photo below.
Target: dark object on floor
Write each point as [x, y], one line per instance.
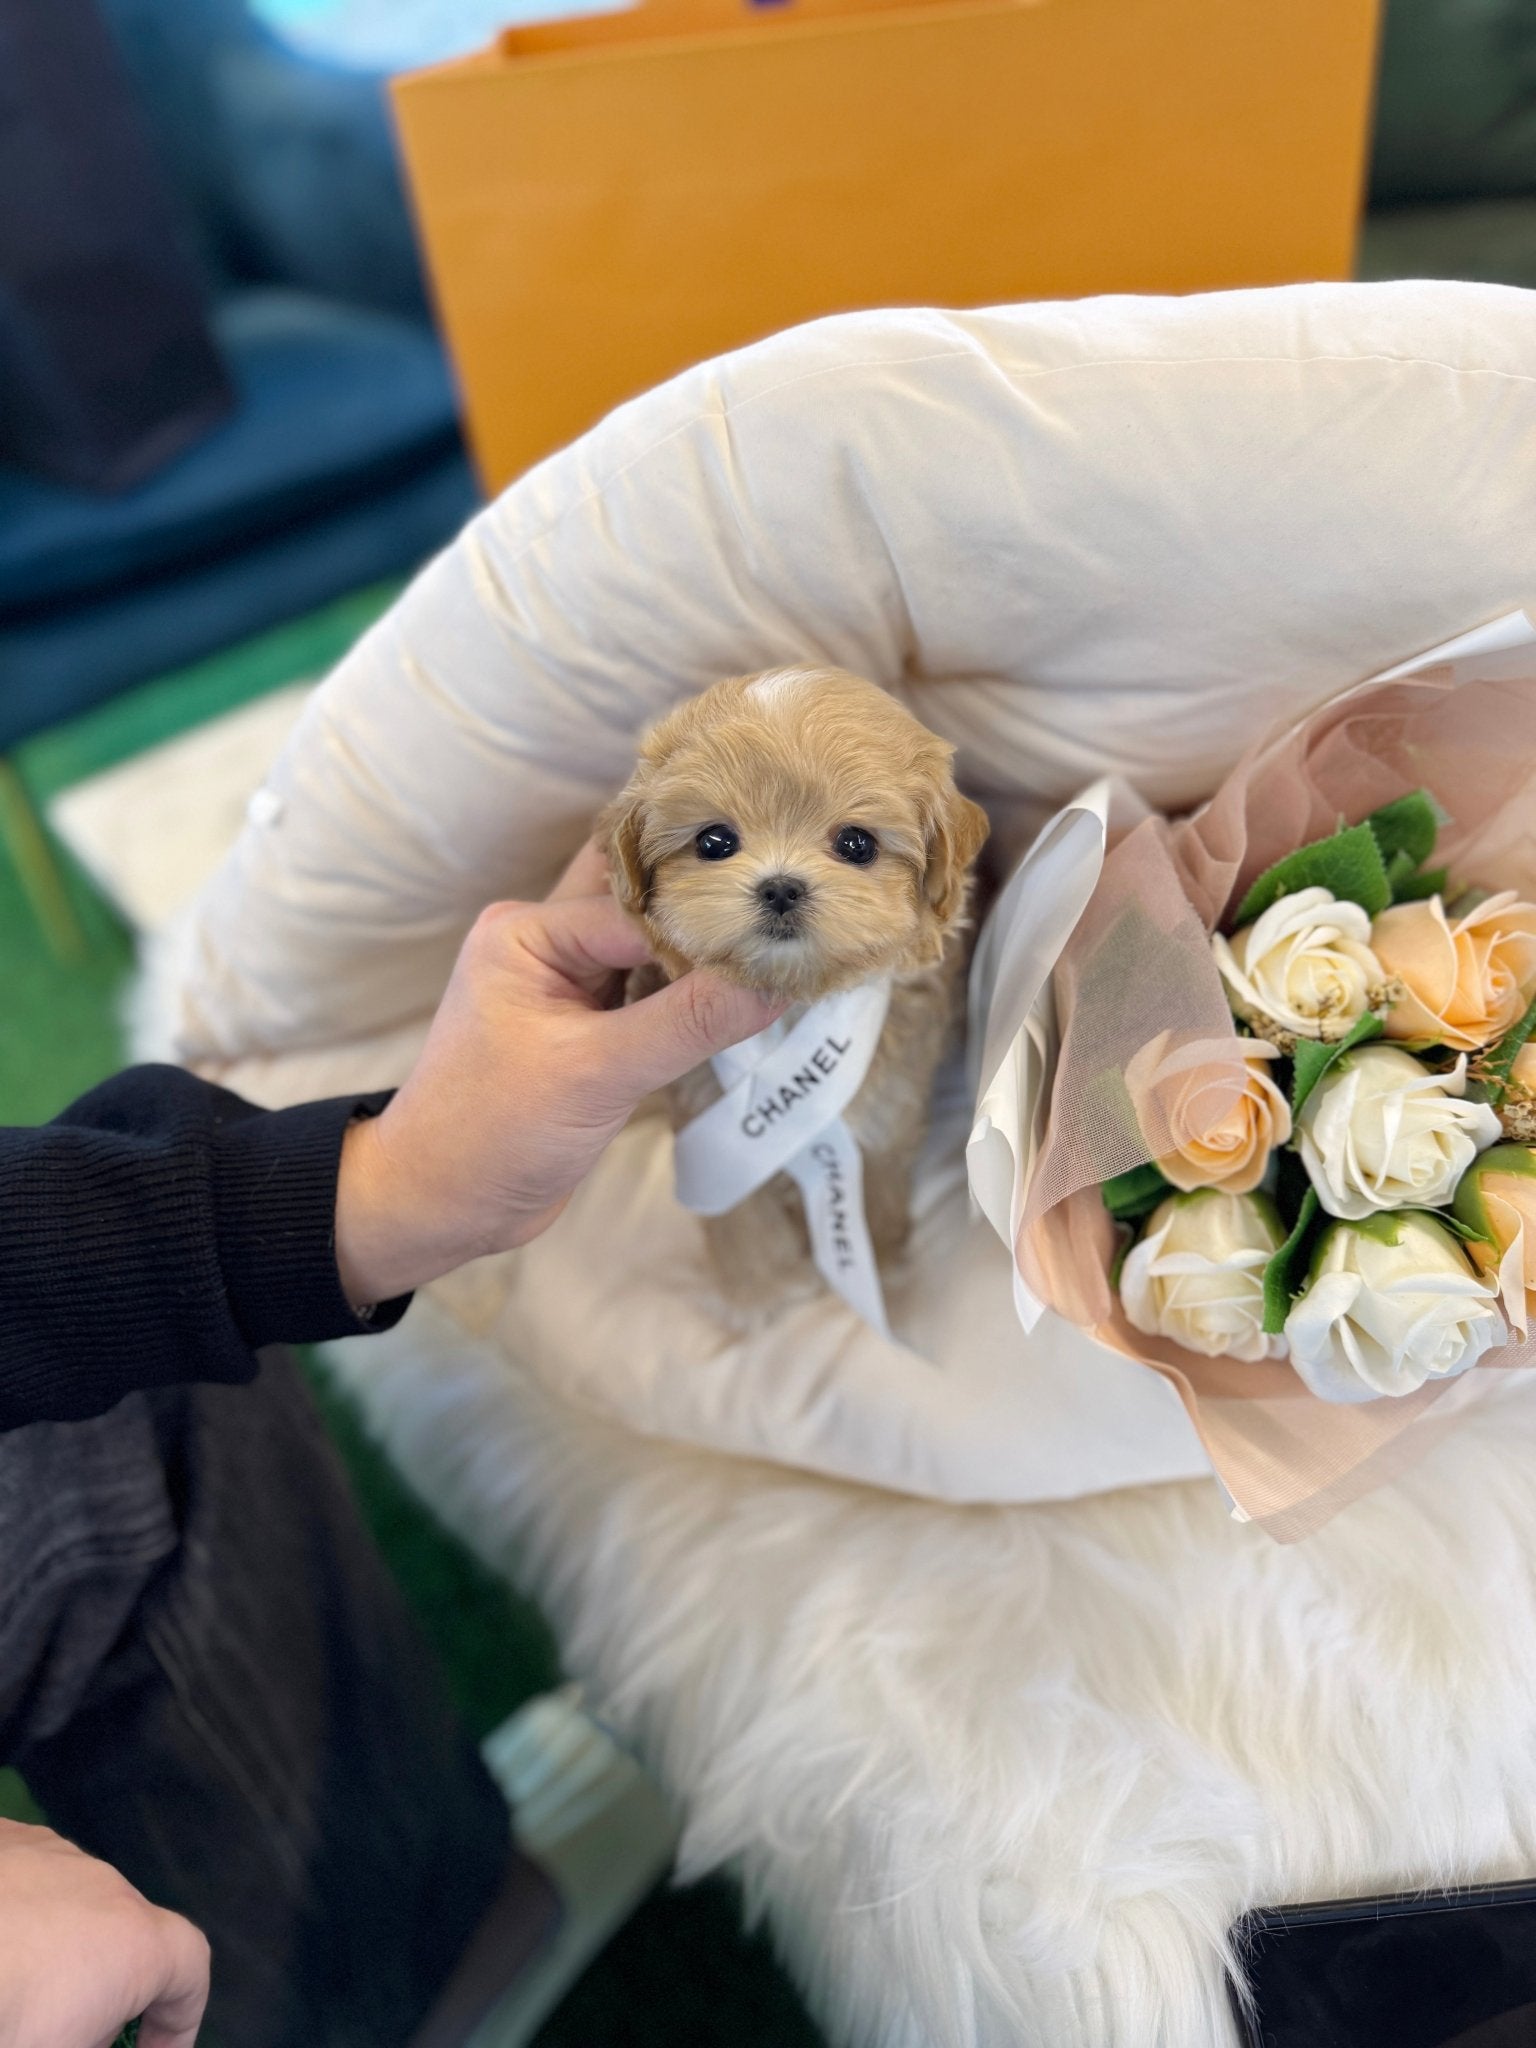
[341, 462]
[340, 465]
[107, 364]
[1417, 1970]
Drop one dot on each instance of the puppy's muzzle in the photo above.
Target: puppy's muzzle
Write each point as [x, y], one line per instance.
[781, 901]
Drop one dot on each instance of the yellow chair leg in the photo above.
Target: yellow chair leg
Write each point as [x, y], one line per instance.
[26, 837]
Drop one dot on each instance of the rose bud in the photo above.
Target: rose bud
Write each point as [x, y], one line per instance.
[1380, 1131]
[1497, 1196]
[1216, 1101]
[1306, 965]
[1463, 984]
[1388, 1305]
[1196, 1276]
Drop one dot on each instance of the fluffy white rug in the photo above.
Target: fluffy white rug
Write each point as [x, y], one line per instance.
[1003, 1777]
[996, 1777]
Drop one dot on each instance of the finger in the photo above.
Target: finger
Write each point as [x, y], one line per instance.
[174, 2015]
[673, 1031]
[587, 875]
[585, 939]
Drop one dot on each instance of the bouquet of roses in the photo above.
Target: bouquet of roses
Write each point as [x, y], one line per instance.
[1289, 1158]
[1359, 1205]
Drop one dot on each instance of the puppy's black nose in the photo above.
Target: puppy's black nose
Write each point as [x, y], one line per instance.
[781, 894]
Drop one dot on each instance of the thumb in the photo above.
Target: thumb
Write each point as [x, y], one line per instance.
[667, 1034]
[173, 2016]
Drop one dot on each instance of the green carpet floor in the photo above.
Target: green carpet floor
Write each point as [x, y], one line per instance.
[681, 1975]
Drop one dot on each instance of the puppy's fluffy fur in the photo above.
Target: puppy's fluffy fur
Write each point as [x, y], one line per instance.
[799, 832]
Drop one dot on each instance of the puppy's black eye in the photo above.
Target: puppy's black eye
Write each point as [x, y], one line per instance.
[717, 842]
[854, 845]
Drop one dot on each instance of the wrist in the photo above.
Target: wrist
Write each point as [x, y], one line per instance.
[373, 1252]
[392, 1234]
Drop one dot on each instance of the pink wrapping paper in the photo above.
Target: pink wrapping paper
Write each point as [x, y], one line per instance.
[1139, 963]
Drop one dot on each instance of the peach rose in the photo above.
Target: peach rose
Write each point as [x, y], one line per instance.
[1213, 1097]
[1498, 1195]
[1465, 984]
[1523, 1072]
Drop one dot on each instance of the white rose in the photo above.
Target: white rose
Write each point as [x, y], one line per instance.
[1379, 1131]
[1306, 964]
[1389, 1304]
[1197, 1274]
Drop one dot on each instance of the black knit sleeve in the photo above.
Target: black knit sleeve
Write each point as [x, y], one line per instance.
[160, 1230]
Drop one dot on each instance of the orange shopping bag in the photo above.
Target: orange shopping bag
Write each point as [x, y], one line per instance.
[608, 199]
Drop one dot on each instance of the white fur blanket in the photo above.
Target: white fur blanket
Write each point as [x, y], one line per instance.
[1003, 1777]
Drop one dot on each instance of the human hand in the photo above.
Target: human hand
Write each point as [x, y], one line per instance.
[82, 1953]
[527, 1073]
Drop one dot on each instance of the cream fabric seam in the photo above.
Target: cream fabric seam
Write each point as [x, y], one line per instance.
[727, 412]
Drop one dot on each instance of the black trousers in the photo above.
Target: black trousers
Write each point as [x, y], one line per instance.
[208, 1678]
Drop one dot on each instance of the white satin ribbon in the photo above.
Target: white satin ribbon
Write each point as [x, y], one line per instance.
[782, 1111]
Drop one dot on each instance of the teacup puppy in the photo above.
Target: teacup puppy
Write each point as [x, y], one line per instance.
[799, 832]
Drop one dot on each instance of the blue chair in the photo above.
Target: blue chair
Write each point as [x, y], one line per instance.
[342, 462]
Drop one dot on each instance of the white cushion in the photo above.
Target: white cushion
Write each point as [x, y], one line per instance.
[1122, 534]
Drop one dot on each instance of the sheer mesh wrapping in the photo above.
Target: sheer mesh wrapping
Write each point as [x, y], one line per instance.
[1139, 964]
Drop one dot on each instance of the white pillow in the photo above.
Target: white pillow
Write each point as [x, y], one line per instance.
[1117, 535]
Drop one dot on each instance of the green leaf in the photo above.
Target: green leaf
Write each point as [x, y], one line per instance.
[1401, 869]
[1281, 1284]
[1313, 1057]
[1408, 828]
[1348, 864]
[1458, 1226]
[1405, 832]
[1384, 1225]
[1132, 1195]
[1427, 882]
[1493, 1067]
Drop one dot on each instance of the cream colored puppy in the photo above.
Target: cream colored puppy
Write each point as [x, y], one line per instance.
[799, 832]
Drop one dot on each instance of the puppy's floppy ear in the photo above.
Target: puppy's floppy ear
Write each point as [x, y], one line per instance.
[621, 828]
[618, 834]
[956, 831]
